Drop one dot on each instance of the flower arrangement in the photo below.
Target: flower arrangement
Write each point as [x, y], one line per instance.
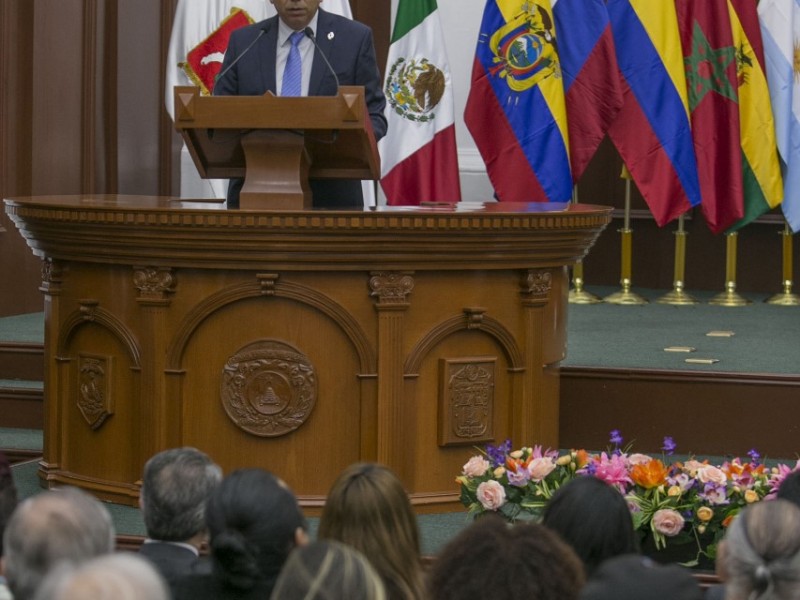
[671, 502]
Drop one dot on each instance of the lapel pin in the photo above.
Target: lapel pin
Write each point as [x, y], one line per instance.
[330, 35]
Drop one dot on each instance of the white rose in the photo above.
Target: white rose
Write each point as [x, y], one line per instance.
[710, 473]
[476, 466]
[491, 495]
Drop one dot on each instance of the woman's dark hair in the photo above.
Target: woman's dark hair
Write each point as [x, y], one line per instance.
[252, 522]
[593, 518]
[492, 559]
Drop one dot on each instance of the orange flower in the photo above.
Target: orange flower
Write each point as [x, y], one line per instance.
[650, 474]
[582, 458]
[727, 520]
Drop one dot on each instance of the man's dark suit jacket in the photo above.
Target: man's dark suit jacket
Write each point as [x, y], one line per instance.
[174, 562]
[350, 51]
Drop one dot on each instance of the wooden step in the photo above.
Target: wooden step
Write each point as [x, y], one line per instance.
[21, 404]
[21, 360]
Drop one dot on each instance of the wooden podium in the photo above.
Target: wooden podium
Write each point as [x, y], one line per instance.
[299, 341]
[277, 143]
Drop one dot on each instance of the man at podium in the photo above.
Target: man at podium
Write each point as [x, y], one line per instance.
[305, 51]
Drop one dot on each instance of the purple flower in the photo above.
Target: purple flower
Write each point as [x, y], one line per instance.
[616, 438]
[669, 446]
[754, 456]
[497, 454]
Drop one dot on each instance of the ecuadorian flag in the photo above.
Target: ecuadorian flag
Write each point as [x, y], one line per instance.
[652, 131]
[515, 110]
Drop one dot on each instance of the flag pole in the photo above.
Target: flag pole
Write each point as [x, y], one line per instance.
[678, 296]
[730, 297]
[786, 298]
[625, 295]
[578, 295]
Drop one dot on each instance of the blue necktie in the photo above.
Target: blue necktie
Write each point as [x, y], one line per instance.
[293, 73]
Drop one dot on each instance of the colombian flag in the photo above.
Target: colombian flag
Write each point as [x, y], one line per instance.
[516, 111]
[763, 184]
[652, 131]
[592, 89]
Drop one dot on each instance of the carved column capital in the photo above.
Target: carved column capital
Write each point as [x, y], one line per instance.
[391, 288]
[155, 284]
[536, 285]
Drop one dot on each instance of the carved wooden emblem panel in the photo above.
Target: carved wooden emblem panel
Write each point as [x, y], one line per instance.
[268, 388]
[94, 399]
[466, 400]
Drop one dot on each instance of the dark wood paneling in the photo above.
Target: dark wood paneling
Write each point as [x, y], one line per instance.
[376, 14]
[705, 413]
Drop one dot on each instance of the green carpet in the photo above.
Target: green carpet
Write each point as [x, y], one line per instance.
[766, 337]
[21, 439]
[27, 328]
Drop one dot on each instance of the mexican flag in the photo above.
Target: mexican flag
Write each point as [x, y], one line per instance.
[419, 161]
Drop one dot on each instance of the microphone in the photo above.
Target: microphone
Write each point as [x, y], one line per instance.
[310, 35]
[264, 29]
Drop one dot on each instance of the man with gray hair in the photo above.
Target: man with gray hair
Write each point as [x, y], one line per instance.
[175, 487]
[55, 527]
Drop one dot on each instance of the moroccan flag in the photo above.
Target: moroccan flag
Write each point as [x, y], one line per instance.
[780, 28]
[763, 185]
[710, 62]
[516, 111]
[652, 132]
[419, 158]
[592, 90]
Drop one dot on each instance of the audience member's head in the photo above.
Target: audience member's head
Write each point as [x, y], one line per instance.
[121, 576]
[634, 577]
[593, 518]
[328, 570]
[175, 488]
[759, 558]
[64, 525]
[492, 559]
[254, 522]
[8, 496]
[790, 488]
[368, 509]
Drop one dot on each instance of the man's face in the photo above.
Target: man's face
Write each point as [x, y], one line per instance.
[296, 13]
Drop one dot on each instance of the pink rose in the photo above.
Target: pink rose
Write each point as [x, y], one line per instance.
[491, 495]
[668, 522]
[539, 468]
[709, 473]
[476, 466]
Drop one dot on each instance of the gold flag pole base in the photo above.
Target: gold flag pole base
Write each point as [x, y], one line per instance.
[578, 295]
[785, 298]
[677, 297]
[729, 298]
[625, 296]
